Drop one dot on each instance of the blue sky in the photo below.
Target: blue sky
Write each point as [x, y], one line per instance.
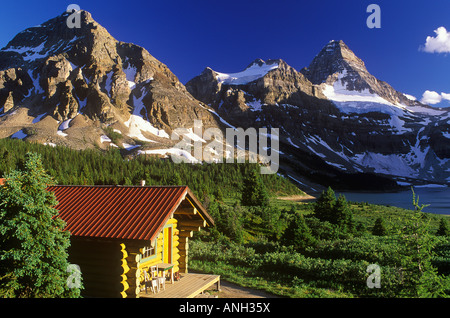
[190, 35]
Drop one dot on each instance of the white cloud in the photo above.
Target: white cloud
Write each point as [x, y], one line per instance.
[431, 97]
[438, 44]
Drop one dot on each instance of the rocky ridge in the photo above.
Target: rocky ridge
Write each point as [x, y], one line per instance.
[339, 125]
[71, 86]
[336, 120]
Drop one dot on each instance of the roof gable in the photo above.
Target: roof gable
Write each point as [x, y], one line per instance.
[120, 212]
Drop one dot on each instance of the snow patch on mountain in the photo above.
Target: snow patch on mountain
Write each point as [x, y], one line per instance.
[129, 147]
[37, 87]
[130, 73]
[250, 74]
[81, 103]
[392, 164]
[255, 105]
[137, 124]
[19, 135]
[425, 110]
[398, 125]
[171, 151]
[319, 141]
[218, 116]
[191, 135]
[61, 133]
[104, 138]
[72, 66]
[38, 118]
[410, 97]
[28, 53]
[360, 102]
[65, 124]
[290, 141]
[402, 165]
[108, 82]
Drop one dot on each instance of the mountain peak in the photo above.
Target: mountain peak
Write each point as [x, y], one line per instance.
[86, 75]
[339, 69]
[335, 44]
[51, 38]
[337, 47]
[258, 61]
[335, 57]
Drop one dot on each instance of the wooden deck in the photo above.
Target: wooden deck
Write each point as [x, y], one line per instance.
[189, 286]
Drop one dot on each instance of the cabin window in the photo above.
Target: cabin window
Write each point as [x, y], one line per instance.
[148, 253]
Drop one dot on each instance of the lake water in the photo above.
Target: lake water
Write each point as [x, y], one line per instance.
[438, 198]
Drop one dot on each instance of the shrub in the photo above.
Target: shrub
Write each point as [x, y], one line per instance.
[379, 228]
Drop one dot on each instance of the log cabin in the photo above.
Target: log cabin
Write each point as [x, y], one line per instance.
[119, 232]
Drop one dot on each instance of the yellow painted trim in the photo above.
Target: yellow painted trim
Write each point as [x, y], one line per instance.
[159, 244]
[196, 210]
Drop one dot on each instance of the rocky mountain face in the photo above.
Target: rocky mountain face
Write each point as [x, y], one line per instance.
[260, 84]
[74, 86]
[336, 61]
[338, 123]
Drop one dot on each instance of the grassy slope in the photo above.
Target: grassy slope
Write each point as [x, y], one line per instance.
[239, 263]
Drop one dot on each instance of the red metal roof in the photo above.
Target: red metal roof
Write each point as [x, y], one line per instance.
[122, 212]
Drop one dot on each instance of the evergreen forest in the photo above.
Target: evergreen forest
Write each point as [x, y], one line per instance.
[324, 249]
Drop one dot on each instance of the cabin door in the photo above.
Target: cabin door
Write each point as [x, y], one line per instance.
[167, 253]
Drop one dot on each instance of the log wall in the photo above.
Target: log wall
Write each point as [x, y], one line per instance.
[116, 269]
[103, 265]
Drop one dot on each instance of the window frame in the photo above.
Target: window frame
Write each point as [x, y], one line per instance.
[147, 248]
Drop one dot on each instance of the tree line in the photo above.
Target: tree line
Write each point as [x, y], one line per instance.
[114, 167]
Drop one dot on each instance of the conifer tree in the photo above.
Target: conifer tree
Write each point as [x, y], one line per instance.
[254, 192]
[175, 179]
[33, 245]
[298, 234]
[324, 205]
[218, 194]
[379, 228]
[342, 215]
[443, 228]
[419, 277]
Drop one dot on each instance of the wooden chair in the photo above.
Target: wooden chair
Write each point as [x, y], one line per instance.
[151, 280]
[155, 279]
[162, 282]
[147, 280]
